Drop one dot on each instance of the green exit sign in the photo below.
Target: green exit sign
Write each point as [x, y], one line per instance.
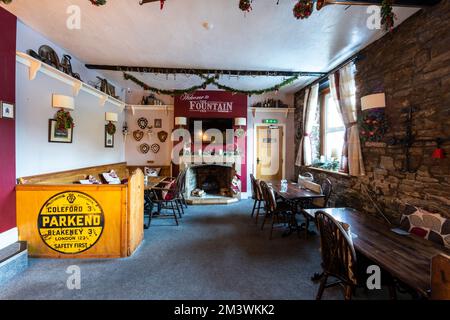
[270, 121]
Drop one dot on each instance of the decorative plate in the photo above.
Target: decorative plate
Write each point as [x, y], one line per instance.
[138, 135]
[142, 123]
[162, 136]
[156, 148]
[145, 148]
[240, 133]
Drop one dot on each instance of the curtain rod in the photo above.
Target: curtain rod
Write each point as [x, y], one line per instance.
[340, 66]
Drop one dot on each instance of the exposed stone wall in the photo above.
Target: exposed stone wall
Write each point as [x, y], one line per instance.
[412, 66]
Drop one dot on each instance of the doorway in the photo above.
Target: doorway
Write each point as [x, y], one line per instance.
[269, 153]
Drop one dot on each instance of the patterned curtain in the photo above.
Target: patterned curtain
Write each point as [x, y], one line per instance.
[304, 156]
[343, 90]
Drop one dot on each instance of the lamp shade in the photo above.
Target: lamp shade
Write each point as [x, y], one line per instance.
[373, 101]
[240, 122]
[180, 121]
[111, 116]
[64, 102]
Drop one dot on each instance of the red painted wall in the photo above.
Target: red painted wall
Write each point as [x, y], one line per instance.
[8, 25]
[215, 104]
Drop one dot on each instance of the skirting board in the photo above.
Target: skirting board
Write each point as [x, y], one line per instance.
[8, 237]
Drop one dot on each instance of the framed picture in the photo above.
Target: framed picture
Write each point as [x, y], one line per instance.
[109, 139]
[56, 135]
[158, 123]
[7, 110]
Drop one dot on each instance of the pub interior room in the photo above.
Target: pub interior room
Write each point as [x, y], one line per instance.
[225, 150]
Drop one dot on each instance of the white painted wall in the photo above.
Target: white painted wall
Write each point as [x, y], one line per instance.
[34, 154]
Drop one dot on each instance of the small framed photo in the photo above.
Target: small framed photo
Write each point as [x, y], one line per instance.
[56, 135]
[158, 123]
[109, 139]
[7, 110]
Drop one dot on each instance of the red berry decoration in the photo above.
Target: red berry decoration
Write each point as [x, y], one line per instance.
[245, 5]
[388, 17]
[98, 2]
[320, 4]
[303, 9]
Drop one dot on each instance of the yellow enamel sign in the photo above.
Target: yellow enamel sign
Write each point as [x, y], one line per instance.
[71, 222]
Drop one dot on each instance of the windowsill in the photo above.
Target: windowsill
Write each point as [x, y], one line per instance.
[329, 171]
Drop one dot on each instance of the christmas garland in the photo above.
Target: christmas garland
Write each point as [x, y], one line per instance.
[387, 15]
[254, 92]
[209, 81]
[167, 92]
[64, 120]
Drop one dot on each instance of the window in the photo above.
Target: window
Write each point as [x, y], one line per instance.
[334, 129]
[331, 133]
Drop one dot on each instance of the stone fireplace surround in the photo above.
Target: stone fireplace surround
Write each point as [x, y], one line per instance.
[214, 179]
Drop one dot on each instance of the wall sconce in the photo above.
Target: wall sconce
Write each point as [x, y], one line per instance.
[111, 117]
[180, 121]
[125, 130]
[240, 122]
[63, 102]
[373, 101]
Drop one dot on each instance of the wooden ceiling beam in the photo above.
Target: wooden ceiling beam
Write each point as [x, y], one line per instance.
[188, 71]
[397, 3]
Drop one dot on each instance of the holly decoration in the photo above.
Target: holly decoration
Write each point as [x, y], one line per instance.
[373, 126]
[64, 120]
[245, 5]
[303, 9]
[111, 128]
[387, 15]
[320, 4]
[98, 2]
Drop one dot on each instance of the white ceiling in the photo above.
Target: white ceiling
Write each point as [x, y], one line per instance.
[268, 38]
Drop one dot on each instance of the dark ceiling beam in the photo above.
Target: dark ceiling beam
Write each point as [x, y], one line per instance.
[252, 73]
[399, 3]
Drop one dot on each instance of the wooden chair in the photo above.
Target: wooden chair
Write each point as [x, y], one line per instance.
[327, 190]
[440, 277]
[257, 197]
[278, 212]
[338, 255]
[168, 198]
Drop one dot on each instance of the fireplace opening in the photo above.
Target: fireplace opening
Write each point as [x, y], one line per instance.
[210, 181]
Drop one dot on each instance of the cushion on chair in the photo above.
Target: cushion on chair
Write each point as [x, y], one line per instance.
[428, 225]
[169, 195]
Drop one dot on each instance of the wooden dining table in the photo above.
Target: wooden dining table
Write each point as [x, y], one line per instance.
[405, 257]
[294, 192]
[298, 197]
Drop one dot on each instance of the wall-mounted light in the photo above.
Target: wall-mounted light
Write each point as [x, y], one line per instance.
[111, 117]
[180, 121]
[373, 101]
[63, 102]
[240, 122]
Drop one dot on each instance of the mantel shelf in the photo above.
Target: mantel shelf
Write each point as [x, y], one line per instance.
[135, 107]
[36, 66]
[285, 111]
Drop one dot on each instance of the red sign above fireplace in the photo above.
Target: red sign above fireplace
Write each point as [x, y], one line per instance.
[211, 104]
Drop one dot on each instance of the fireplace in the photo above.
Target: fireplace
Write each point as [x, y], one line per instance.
[213, 181]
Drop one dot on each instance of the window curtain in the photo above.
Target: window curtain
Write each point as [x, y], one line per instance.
[304, 156]
[343, 90]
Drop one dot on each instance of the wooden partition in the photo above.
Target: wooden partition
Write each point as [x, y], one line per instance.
[81, 221]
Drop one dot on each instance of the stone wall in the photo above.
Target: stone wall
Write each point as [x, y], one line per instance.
[412, 66]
